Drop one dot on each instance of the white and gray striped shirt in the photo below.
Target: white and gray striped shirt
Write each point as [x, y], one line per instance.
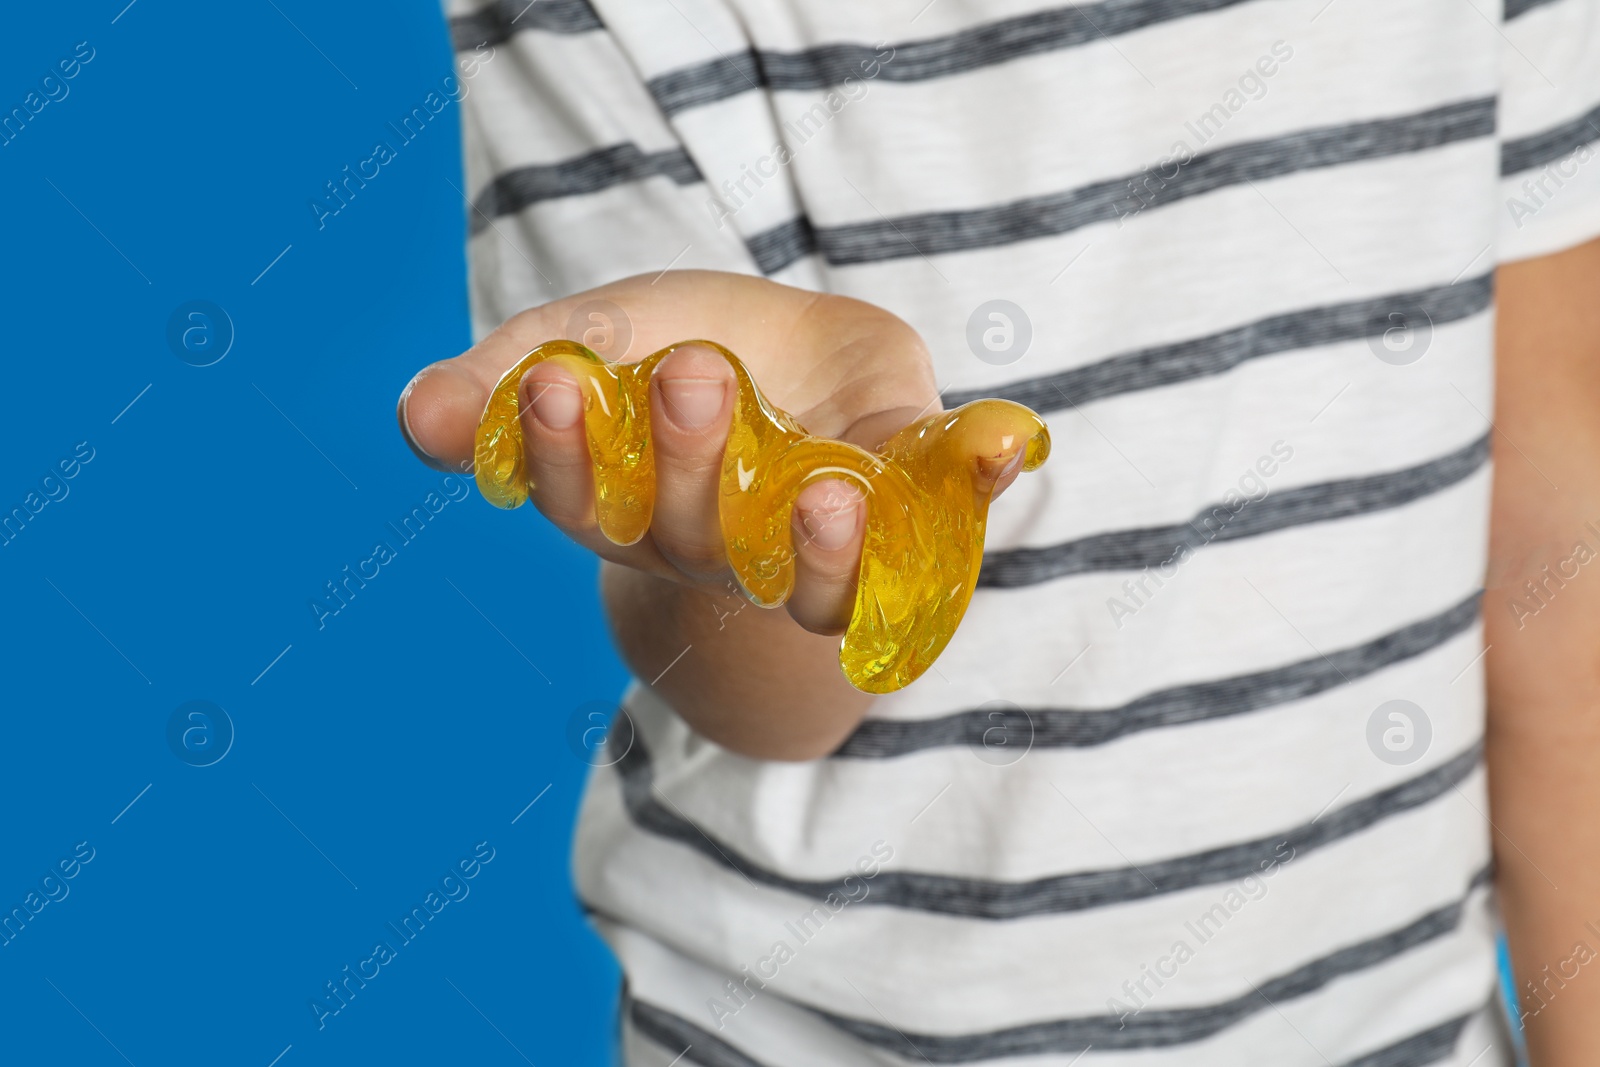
[1155, 802]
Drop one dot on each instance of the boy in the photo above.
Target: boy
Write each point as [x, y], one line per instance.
[1207, 775]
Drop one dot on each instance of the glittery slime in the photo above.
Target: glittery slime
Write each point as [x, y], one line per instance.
[925, 507]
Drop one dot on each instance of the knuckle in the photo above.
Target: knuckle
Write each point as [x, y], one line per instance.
[831, 572]
[529, 320]
[691, 461]
[824, 624]
[576, 522]
[699, 557]
[563, 451]
[693, 443]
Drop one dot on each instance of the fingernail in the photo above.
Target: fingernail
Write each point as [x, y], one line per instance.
[692, 403]
[830, 529]
[556, 405]
[993, 468]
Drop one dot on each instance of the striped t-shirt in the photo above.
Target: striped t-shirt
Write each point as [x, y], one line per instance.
[1200, 778]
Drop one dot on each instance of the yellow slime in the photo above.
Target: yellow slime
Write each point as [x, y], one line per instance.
[925, 507]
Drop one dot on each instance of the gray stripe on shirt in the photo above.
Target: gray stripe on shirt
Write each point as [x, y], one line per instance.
[782, 245]
[1518, 8]
[1429, 1046]
[1132, 550]
[684, 1039]
[1199, 357]
[1547, 146]
[1179, 705]
[1174, 1026]
[934, 233]
[496, 22]
[1108, 200]
[696, 1045]
[979, 898]
[514, 190]
[984, 45]
[1150, 1028]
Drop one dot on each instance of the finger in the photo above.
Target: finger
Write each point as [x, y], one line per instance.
[828, 527]
[691, 403]
[556, 449]
[997, 439]
[439, 410]
[997, 472]
[438, 414]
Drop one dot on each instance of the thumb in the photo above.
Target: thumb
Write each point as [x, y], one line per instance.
[996, 472]
[438, 413]
[1002, 439]
[440, 408]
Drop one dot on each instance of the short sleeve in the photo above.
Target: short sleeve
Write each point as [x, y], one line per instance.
[1549, 126]
[573, 176]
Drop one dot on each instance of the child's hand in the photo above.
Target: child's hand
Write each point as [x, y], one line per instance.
[843, 368]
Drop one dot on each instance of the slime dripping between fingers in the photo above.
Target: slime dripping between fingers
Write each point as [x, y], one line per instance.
[925, 514]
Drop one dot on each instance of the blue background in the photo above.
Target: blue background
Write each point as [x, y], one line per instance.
[375, 752]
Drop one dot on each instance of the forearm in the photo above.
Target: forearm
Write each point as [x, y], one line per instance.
[747, 678]
[1543, 743]
[1543, 797]
[1543, 746]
